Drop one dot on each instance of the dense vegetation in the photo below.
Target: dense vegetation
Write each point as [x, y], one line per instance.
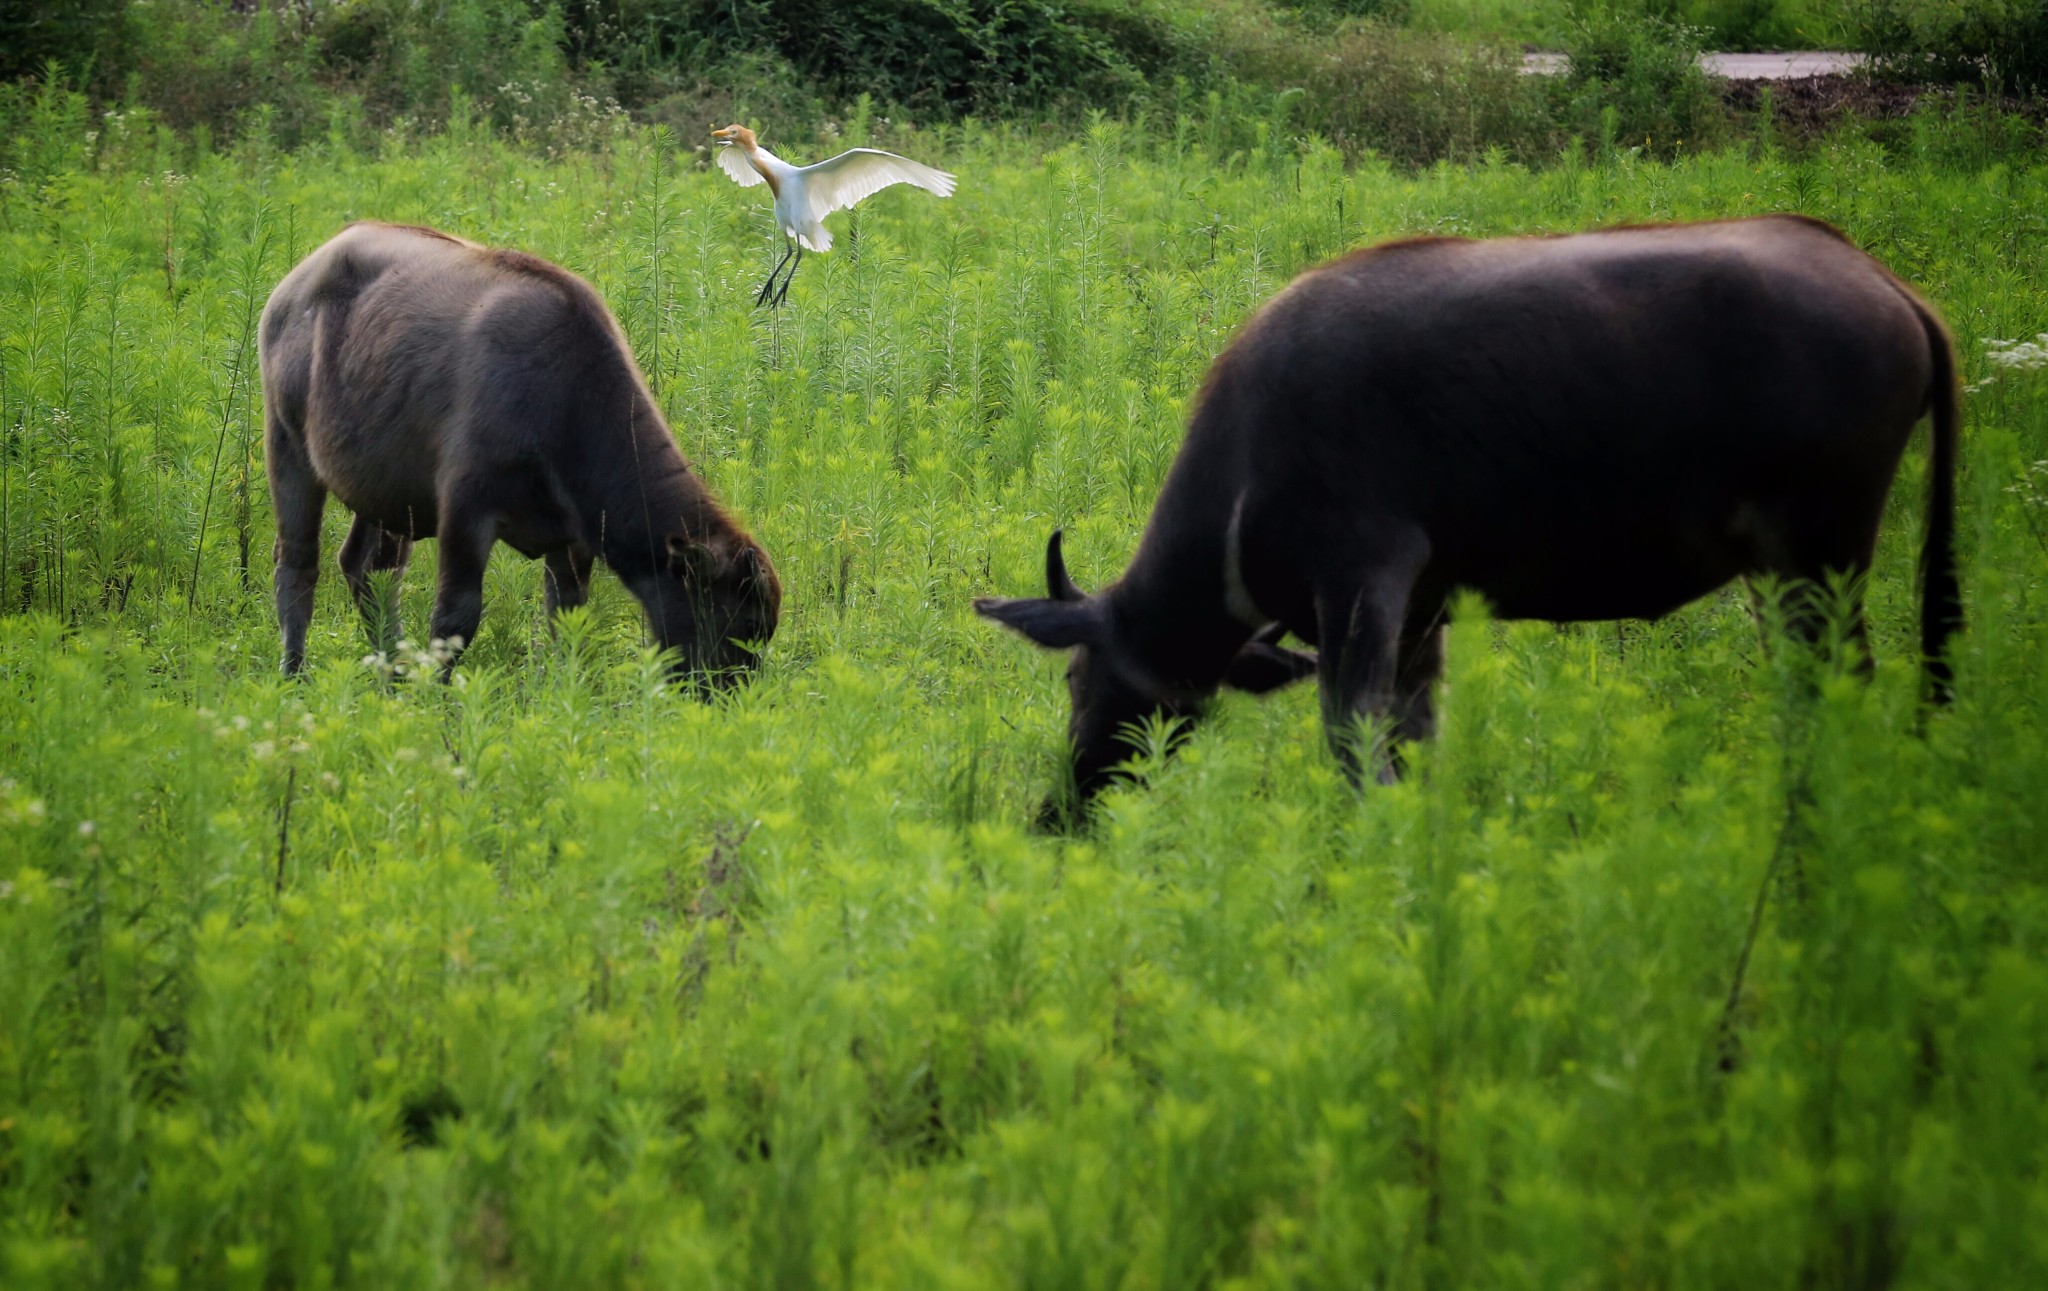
[2003, 43]
[1413, 79]
[1673, 963]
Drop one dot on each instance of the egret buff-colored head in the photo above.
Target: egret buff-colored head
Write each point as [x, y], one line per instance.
[735, 134]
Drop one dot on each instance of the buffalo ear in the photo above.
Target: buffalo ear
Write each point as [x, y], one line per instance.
[698, 561]
[752, 566]
[694, 561]
[1057, 625]
[1262, 667]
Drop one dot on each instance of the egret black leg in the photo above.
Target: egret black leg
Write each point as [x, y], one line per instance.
[768, 287]
[783, 295]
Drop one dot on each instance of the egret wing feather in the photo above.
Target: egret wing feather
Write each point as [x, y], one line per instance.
[734, 163]
[838, 182]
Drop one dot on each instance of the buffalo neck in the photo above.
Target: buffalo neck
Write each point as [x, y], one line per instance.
[646, 493]
[1171, 610]
[1176, 608]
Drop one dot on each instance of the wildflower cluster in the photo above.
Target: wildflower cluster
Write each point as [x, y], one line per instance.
[539, 113]
[2020, 356]
[18, 808]
[271, 738]
[2032, 486]
[410, 660]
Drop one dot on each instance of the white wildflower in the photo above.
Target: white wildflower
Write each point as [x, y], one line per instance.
[2019, 356]
[86, 829]
[2032, 487]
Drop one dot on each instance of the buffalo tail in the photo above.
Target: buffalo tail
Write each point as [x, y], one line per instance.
[1941, 596]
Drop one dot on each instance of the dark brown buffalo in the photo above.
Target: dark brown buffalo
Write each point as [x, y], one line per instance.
[1601, 426]
[443, 389]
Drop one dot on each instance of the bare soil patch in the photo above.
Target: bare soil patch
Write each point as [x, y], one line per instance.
[1810, 106]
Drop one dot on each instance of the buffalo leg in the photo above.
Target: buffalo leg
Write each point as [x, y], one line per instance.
[1814, 551]
[1806, 602]
[566, 582]
[1359, 633]
[1808, 621]
[466, 538]
[370, 549]
[1422, 663]
[298, 498]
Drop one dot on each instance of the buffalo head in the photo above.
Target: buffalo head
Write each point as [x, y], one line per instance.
[1112, 691]
[715, 602]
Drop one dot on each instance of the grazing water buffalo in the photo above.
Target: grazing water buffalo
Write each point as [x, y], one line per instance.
[1600, 426]
[444, 389]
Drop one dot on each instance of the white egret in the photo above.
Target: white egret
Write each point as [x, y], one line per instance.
[805, 195]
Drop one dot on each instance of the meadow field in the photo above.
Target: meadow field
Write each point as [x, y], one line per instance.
[1680, 960]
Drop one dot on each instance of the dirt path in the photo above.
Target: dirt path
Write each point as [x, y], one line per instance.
[1736, 67]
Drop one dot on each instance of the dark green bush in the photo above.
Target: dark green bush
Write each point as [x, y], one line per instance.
[750, 87]
[1739, 24]
[1410, 96]
[933, 57]
[81, 34]
[2002, 44]
[1635, 81]
[1369, 75]
[523, 63]
[200, 62]
[1391, 11]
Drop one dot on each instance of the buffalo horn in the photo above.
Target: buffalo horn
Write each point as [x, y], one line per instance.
[1057, 584]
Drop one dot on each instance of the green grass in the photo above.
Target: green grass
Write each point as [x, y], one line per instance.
[553, 978]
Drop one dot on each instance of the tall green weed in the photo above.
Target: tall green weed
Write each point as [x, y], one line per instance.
[1678, 959]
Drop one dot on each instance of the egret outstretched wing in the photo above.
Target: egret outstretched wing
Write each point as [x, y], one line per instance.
[734, 163]
[839, 182]
[805, 195]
